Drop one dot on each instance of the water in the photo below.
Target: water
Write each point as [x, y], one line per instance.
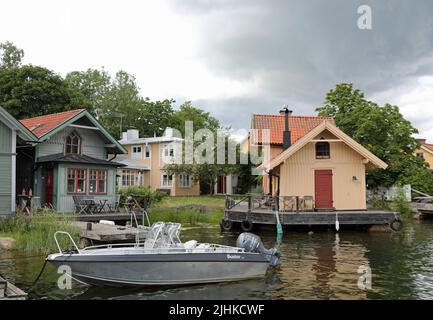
[322, 265]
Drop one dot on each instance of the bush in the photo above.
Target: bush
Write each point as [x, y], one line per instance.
[378, 203]
[154, 196]
[400, 202]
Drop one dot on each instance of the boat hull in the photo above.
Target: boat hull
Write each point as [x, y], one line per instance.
[162, 270]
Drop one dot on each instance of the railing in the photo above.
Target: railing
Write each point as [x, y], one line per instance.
[271, 203]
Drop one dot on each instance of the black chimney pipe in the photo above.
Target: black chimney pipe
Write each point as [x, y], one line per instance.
[287, 136]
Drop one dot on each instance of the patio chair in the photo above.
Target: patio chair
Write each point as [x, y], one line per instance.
[114, 207]
[80, 207]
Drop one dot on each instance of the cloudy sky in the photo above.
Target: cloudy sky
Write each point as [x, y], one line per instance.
[238, 57]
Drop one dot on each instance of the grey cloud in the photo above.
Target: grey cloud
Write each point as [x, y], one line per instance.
[301, 49]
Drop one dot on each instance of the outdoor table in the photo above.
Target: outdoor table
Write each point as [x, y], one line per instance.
[24, 203]
[102, 204]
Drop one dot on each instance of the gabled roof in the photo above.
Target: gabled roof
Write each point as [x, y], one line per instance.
[42, 125]
[325, 125]
[46, 126]
[426, 146]
[14, 124]
[298, 126]
[76, 158]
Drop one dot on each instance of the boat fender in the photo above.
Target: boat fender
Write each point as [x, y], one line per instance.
[226, 225]
[396, 225]
[252, 243]
[246, 225]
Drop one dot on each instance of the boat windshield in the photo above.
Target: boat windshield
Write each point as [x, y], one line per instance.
[163, 234]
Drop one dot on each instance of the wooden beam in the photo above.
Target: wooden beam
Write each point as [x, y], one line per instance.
[83, 127]
[326, 140]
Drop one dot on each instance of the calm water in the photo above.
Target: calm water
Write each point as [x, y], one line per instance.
[322, 265]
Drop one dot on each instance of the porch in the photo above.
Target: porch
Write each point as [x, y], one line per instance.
[297, 211]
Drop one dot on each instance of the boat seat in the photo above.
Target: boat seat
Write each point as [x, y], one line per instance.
[191, 244]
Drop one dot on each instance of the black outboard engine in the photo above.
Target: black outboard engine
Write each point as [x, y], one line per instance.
[252, 243]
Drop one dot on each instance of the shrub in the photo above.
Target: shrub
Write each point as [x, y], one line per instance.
[400, 202]
[154, 196]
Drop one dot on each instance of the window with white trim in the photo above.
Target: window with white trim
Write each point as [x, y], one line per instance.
[168, 150]
[136, 152]
[147, 152]
[128, 178]
[166, 180]
[184, 181]
[73, 144]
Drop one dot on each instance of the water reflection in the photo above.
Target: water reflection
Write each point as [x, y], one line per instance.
[321, 265]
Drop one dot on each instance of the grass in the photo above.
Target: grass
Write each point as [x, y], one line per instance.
[36, 233]
[176, 209]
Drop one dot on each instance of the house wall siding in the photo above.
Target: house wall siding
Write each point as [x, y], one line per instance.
[5, 169]
[91, 145]
[297, 175]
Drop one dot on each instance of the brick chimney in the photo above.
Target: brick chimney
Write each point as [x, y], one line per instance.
[287, 136]
[422, 141]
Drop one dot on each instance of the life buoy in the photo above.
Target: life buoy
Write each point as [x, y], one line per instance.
[246, 225]
[396, 225]
[226, 225]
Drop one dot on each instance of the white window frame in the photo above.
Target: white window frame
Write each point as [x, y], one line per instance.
[185, 178]
[168, 185]
[128, 173]
[147, 147]
[136, 155]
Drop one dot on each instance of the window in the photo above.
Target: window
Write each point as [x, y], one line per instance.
[168, 150]
[323, 150]
[420, 155]
[184, 181]
[98, 181]
[127, 178]
[76, 181]
[136, 152]
[166, 180]
[147, 152]
[73, 144]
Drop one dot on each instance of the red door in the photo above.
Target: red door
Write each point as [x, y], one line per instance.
[323, 188]
[49, 186]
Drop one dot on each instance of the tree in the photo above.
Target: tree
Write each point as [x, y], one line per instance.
[30, 91]
[200, 118]
[10, 55]
[91, 87]
[382, 130]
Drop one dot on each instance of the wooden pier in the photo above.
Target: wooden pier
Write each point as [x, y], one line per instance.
[9, 291]
[108, 233]
[118, 216]
[248, 212]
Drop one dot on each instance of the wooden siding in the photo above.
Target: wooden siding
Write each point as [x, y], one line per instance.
[91, 143]
[297, 175]
[65, 203]
[5, 169]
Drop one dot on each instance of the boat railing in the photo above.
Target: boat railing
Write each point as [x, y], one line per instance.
[70, 238]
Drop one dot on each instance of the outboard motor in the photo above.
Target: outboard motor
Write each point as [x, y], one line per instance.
[252, 243]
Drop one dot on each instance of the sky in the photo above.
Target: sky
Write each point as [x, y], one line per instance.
[239, 57]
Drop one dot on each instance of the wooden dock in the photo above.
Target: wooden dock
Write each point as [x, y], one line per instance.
[9, 291]
[118, 217]
[108, 233]
[248, 215]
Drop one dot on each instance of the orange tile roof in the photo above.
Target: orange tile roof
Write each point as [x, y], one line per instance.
[41, 125]
[298, 125]
[425, 144]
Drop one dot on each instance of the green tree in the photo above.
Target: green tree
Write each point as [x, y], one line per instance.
[10, 55]
[91, 87]
[155, 117]
[200, 118]
[30, 91]
[382, 130]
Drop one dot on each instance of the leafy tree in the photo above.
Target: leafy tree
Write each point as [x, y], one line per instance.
[155, 117]
[382, 130]
[10, 55]
[30, 91]
[91, 87]
[200, 118]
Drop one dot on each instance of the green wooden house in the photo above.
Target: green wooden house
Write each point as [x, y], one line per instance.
[13, 137]
[69, 159]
